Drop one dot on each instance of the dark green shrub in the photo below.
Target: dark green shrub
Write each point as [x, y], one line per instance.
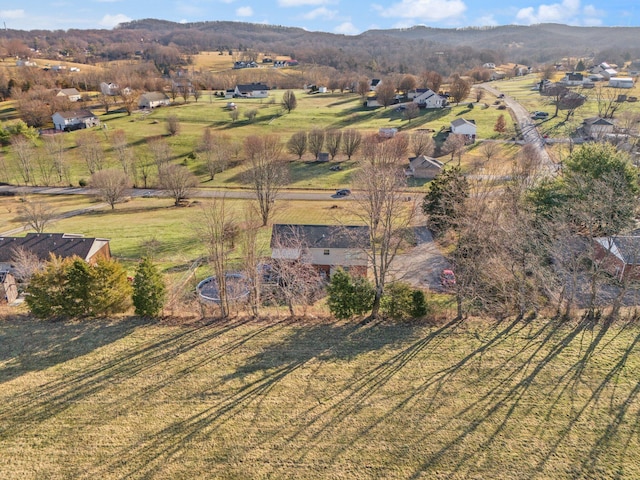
[74, 289]
[401, 301]
[349, 296]
[149, 290]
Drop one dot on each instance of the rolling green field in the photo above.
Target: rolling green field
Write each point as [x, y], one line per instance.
[318, 399]
[314, 111]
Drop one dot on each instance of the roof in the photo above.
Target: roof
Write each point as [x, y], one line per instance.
[76, 114]
[626, 248]
[458, 122]
[252, 87]
[69, 91]
[320, 236]
[44, 244]
[155, 96]
[425, 162]
[597, 121]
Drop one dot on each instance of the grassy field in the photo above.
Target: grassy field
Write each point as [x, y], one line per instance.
[309, 400]
[313, 111]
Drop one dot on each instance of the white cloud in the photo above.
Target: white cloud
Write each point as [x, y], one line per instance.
[486, 21]
[347, 28]
[300, 3]
[110, 21]
[567, 11]
[424, 10]
[244, 12]
[12, 14]
[321, 12]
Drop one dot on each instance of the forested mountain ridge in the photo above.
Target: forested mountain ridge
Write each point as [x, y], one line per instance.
[377, 51]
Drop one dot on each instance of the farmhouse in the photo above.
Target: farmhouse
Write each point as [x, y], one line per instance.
[464, 127]
[71, 94]
[604, 69]
[427, 98]
[152, 100]
[423, 167]
[326, 247]
[74, 120]
[251, 90]
[620, 256]
[43, 245]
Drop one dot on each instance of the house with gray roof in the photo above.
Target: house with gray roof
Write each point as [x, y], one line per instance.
[43, 245]
[326, 247]
[252, 90]
[620, 256]
[74, 120]
[153, 100]
[71, 94]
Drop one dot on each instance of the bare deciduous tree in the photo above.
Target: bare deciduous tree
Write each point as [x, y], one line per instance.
[91, 151]
[173, 125]
[37, 215]
[160, 151]
[122, 150]
[214, 151]
[289, 101]
[297, 144]
[24, 152]
[382, 206]
[266, 172]
[315, 140]
[110, 185]
[215, 226]
[459, 89]
[332, 141]
[177, 181]
[422, 144]
[351, 141]
[25, 264]
[411, 111]
[386, 93]
[56, 151]
[454, 144]
[607, 100]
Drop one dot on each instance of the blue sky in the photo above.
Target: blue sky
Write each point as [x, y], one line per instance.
[336, 16]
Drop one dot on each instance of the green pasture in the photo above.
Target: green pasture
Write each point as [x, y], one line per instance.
[322, 111]
[318, 400]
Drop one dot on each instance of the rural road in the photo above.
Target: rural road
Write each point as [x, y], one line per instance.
[530, 133]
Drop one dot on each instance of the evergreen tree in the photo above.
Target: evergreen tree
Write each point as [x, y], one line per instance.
[349, 296]
[149, 290]
[446, 198]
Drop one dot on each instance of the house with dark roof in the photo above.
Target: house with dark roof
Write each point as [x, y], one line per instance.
[152, 100]
[74, 120]
[43, 245]
[72, 94]
[326, 247]
[252, 90]
[620, 256]
[424, 167]
[427, 98]
[597, 127]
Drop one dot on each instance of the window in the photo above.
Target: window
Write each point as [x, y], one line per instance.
[326, 252]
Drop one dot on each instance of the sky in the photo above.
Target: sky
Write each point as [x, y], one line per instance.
[349, 17]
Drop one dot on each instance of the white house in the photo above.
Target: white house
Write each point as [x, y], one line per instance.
[71, 94]
[252, 90]
[110, 89]
[74, 120]
[152, 100]
[427, 98]
[605, 70]
[326, 247]
[464, 127]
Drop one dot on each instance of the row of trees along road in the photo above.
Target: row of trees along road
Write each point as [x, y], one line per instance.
[531, 243]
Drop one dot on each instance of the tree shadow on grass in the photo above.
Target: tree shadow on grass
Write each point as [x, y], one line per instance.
[31, 345]
[44, 401]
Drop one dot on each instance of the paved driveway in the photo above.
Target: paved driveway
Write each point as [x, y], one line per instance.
[421, 265]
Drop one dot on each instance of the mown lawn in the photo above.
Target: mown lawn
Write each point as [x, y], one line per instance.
[308, 400]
